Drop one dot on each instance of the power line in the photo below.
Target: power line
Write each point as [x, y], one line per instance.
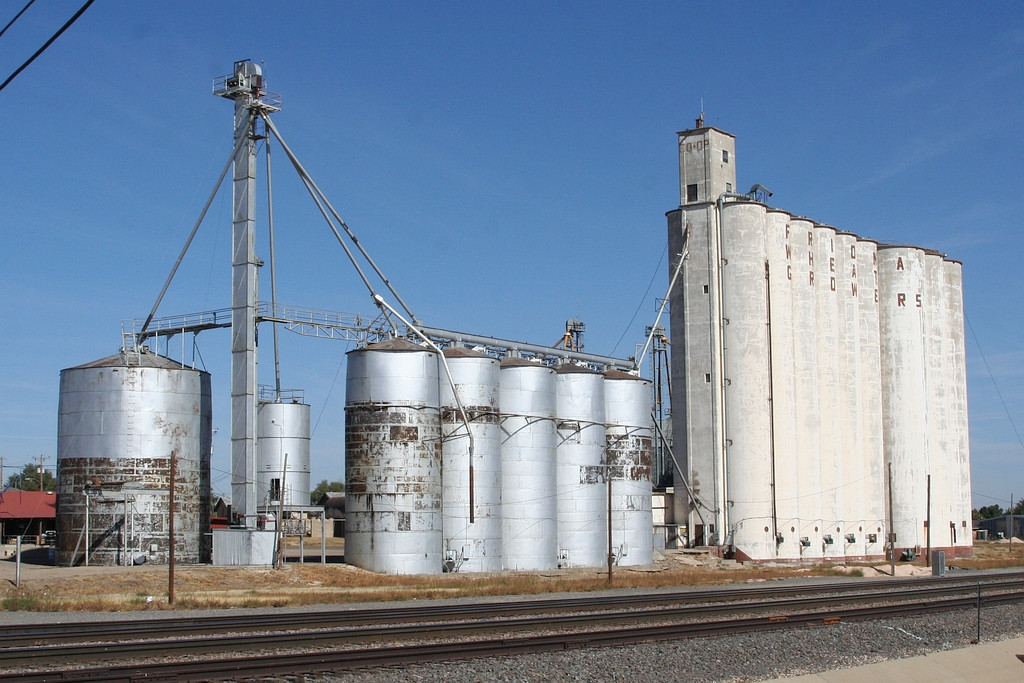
[47, 44]
[16, 16]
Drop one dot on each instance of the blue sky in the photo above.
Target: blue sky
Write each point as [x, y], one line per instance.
[508, 165]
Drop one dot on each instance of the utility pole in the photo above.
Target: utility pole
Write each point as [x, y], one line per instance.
[1009, 523]
[172, 475]
[892, 530]
[39, 469]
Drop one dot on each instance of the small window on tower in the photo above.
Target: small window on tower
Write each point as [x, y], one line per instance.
[691, 193]
[705, 289]
[728, 187]
[725, 156]
[707, 377]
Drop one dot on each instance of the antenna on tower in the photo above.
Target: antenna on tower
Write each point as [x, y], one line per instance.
[700, 119]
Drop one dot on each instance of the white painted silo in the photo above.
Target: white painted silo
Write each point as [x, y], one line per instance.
[830, 454]
[629, 431]
[393, 459]
[870, 416]
[848, 393]
[282, 454]
[120, 420]
[747, 410]
[960, 494]
[783, 385]
[471, 545]
[904, 406]
[938, 380]
[529, 507]
[806, 272]
[582, 491]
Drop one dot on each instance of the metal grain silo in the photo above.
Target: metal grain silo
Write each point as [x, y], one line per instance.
[960, 495]
[782, 371]
[828, 401]
[629, 432]
[121, 419]
[471, 545]
[805, 360]
[529, 507]
[582, 493]
[904, 407]
[393, 459]
[282, 431]
[747, 387]
[870, 417]
[848, 392]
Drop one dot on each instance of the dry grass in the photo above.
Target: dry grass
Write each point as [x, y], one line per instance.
[296, 585]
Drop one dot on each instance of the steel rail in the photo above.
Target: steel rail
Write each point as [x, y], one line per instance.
[334, 660]
[675, 604]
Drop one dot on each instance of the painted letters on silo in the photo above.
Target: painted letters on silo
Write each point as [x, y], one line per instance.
[393, 459]
[805, 360]
[471, 546]
[745, 351]
[120, 421]
[529, 507]
[582, 493]
[904, 409]
[629, 432]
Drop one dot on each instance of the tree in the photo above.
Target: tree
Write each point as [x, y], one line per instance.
[323, 487]
[988, 512]
[28, 479]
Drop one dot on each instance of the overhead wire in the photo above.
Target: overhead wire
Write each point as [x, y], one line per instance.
[642, 300]
[16, 17]
[47, 44]
[994, 385]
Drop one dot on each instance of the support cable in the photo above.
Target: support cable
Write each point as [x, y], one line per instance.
[273, 277]
[664, 302]
[47, 44]
[195, 229]
[348, 231]
[16, 17]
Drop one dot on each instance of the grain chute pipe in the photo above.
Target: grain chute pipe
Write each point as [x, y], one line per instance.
[273, 275]
[664, 302]
[348, 231]
[379, 300]
[697, 504]
[195, 229]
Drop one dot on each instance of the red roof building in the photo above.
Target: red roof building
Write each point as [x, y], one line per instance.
[27, 512]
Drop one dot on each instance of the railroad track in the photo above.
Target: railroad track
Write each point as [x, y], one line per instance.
[338, 640]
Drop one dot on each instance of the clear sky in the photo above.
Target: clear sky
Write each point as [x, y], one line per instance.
[508, 164]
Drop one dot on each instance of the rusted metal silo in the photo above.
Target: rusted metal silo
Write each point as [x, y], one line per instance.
[393, 459]
[121, 421]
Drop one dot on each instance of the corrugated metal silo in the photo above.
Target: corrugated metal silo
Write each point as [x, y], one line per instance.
[629, 436]
[829, 433]
[805, 351]
[393, 459]
[120, 419]
[957, 396]
[283, 440]
[850, 400]
[747, 410]
[471, 546]
[904, 406]
[783, 386]
[870, 416]
[582, 492]
[529, 507]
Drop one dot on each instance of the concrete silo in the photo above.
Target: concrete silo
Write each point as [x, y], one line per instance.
[393, 459]
[529, 508]
[748, 429]
[785, 435]
[582, 492]
[472, 542]
[960, 492]
[904, 412]
[869, 424]
[121, 420]
[629, 431]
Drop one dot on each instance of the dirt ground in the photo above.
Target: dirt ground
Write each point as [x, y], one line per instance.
[45, 587]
